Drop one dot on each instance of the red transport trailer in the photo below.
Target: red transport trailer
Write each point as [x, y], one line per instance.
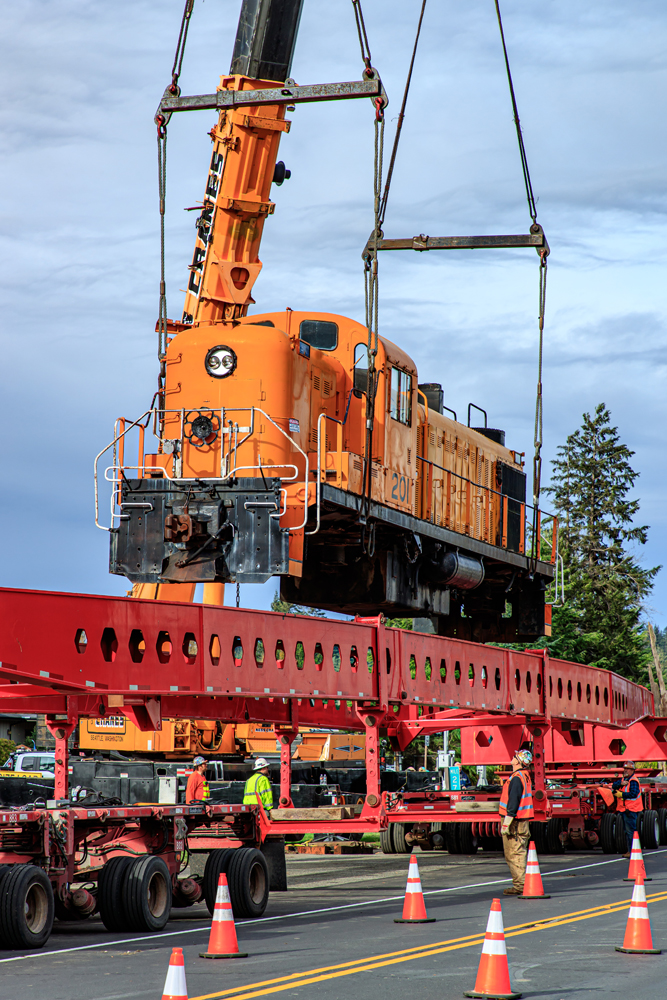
[73, 656]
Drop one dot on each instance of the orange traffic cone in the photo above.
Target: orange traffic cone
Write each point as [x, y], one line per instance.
[414, 910]
[532, 887]
[174, 985]
[493, 975]
[222, 943]
[638, 939]
[636, 862]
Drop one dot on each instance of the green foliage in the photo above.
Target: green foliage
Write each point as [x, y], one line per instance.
[286, 608]
[7, 747]
[604, 584]
[405, 623]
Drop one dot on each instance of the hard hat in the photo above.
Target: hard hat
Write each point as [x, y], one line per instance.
[198, 760]
[260, 763]
[524, 757]
[630, 764]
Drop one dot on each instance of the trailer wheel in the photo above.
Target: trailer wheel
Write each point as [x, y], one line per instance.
[111, 894]
[468, 841]
[650, 835]
[398, 831]
[621, 841]
[147, 894]
[26, 907]
[386, 841]
[662, 820]
[451, 840]
[554, 827]
[248, 882]
[608, 832]
[217, 864]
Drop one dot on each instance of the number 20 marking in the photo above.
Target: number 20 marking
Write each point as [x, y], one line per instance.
[401, 488]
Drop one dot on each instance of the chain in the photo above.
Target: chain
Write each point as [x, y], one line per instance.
[361, 31]
[161, 121]
[401, 117]
[371, 296]
[543, 254]
[238, 594]
[532, 208]
[162, 193]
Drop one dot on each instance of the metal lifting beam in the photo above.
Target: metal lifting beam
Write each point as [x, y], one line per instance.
[535, 238]
[158, 658]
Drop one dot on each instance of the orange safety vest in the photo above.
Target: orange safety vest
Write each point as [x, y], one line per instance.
[631, 805]
[525, 810]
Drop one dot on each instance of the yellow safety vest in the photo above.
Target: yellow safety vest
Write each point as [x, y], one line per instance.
[258, 784]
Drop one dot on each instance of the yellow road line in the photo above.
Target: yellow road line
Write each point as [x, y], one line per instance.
[409, 954]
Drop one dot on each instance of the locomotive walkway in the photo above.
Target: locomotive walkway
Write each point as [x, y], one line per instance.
[332, 937]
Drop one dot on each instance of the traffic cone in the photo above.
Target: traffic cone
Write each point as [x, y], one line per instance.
[493, 975]
[222, 942]
[638, 939]
[174, 985]
[532, 887]
[414, 910]
[636, 862]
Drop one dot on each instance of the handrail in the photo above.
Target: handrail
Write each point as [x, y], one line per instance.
[498, 493]
[318, 478]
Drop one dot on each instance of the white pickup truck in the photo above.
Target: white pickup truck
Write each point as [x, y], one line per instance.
[34, 762]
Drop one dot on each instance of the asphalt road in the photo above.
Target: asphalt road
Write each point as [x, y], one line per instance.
[332, 937]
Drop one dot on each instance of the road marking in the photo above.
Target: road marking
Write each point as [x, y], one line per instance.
[410, 954]
[111, 943]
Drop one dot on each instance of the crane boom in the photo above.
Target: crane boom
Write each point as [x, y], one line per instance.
[226, 263]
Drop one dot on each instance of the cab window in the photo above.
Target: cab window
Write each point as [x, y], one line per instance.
[361, 367]
[320, 334]
[400, 401]
[30, 764]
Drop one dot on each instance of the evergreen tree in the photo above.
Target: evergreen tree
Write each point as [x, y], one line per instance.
[604, 584]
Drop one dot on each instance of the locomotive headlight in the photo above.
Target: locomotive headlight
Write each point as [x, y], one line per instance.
[220, 361]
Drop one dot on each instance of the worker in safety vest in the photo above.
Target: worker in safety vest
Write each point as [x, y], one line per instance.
[516, 808]
[197, 788]
[258, 784]
[628, 801]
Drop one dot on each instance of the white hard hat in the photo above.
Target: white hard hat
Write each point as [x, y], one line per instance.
[260, 763]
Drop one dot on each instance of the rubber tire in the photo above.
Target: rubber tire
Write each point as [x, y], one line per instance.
[554, 827]
[538, 835]
[16, 885]
[248, 877]
[451, 838]
[662, 819]
[217, 864]
[111, 894]
[401, 845]
[650, 835]
[148, 893]
[468, 842]
[608, 833]
[387, 842]
[621, 842]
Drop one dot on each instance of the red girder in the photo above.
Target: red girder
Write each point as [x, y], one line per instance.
[236, 664]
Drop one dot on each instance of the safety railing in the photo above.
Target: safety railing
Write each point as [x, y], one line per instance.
[494, 526]
[227, 430]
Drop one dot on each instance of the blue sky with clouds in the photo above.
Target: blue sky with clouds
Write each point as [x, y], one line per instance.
[79, 228]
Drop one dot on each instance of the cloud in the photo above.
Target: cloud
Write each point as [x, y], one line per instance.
[79, 227]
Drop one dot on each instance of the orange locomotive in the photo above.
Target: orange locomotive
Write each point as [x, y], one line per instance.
[267, 460]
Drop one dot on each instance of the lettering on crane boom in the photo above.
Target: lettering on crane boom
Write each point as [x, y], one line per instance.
[111, 723]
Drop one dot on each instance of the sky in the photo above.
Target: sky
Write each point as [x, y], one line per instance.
[79, 229]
